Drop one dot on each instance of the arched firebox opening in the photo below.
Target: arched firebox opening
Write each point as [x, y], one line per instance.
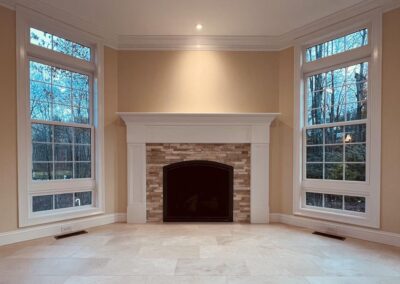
[198, 191]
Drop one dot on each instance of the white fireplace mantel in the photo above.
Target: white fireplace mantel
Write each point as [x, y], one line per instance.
[250, 128]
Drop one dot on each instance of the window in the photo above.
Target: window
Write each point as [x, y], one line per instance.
[337, 45]
[60, 122]
[59, 44]
[336, 143]
[336, 124]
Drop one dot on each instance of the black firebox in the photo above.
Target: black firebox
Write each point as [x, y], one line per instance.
[198, 191]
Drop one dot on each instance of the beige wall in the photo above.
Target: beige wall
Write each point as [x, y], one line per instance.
[201, 81]
[197, 81]
[8, 122]
[114, 138]
[390, 185]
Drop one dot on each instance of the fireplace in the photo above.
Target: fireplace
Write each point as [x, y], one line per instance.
[155, 140]
[198, 191]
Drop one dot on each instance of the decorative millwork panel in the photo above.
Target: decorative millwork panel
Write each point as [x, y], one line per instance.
[161, 154]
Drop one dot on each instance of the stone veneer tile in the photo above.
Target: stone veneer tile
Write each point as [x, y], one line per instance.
[235, 155]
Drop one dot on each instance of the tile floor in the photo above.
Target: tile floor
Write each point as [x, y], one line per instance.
[199, 253]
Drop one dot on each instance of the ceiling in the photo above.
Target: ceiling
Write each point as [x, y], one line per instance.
[171, 23]
[219, 17]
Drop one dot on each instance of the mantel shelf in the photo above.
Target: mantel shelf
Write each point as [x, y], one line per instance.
[160, 118]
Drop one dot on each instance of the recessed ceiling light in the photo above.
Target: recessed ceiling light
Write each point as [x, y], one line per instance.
[199, 27]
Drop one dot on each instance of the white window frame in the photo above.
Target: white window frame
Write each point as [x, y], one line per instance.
[27, 18]
[370, 189]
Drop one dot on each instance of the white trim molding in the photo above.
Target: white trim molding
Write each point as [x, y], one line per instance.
[338, 229]
[145, 128]
[55, 229]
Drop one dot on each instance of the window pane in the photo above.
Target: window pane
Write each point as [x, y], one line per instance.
[355, 172]
[334, 135]
[338, 45]
[314, 199]
[354, 203]
[40, 92]
[80, 98]
[51, 96]
[62, 113]
[334, 153]
[82, 135]
[316, 116]
[333, 201]
[62, 134]
[40, 110]
[355, 153]
[314, 171]
[83, 198]
[82, 153]
[314, 154]
[314, 136]
[80, 82]
[42, 203]
[356, 133]
[61, 77]
[83, 170]
[316, 99]
[63, 152]
[42, 132]
[63, 170]
[335, 96]
[62, 95]
[80, 51]
[59, 44]
[334, 171]
[334, 113]
[338, 95]
[40, 38]
[42, 152]
[42, 171]
[62, 45]
[40, 72]
[81, 115]
[64, 200]
[356, 111]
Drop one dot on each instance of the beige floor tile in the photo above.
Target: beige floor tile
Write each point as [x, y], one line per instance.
[199, 253]
[267, 280]
[106, 280]
[186, 280]
[214, 266]
[174, 252]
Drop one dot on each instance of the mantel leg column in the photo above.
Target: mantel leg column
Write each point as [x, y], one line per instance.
[259, 194]
[136, 212]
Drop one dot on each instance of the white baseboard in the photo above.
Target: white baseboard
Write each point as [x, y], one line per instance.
[27, 234]
[338, 229]
[36, 232]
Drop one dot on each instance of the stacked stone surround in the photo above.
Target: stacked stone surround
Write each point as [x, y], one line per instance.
[235, 155]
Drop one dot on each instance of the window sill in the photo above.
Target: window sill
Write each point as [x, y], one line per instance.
[353, 219]
[52, 216]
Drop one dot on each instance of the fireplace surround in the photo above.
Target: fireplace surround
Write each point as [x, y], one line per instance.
[145, 129]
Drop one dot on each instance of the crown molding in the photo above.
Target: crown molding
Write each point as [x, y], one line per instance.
[194, 42]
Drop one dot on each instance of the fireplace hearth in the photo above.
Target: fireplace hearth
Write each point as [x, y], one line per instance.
[198, 191]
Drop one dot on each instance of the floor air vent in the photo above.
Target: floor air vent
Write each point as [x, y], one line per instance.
[70, 235]
[329, 236]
